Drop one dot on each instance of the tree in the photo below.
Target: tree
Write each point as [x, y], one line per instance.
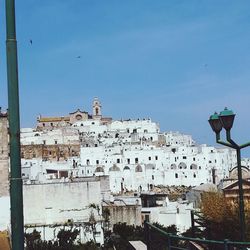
[66, 238]
[221, 218]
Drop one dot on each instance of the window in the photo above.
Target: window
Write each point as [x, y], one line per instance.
[194, 175]
[149, 158]
[87, 161]
[128, 161]
[136, 160]
[184, 157]
[153, 177]
[55, 141]
[194, 159]
[97, 161]
[156, 157]
[118, 160]
[78, 117]
[44, 142]
[176, 175]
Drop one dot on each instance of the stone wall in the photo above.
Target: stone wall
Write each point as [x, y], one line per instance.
[52, 203]
[50, 152]
[129, 214]
[4, 156]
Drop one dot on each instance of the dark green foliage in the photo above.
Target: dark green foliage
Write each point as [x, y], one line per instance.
[128, 232]
[158, 240]
[66, 238]
[65, 241]
[124, 233]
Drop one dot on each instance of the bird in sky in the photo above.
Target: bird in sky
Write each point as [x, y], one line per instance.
[78, 57]
[31, 41]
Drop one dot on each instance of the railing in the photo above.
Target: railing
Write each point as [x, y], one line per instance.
[157, 239]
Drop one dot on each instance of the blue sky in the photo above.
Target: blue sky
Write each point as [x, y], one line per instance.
[174, 61]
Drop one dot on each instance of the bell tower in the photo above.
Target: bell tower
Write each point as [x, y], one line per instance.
[97, 108]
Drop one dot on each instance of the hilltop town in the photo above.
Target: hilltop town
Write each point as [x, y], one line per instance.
[77, 166]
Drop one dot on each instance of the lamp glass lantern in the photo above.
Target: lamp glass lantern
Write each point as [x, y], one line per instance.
[227, 119]
[215, 123]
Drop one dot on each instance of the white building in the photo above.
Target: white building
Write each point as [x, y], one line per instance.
[133, 153]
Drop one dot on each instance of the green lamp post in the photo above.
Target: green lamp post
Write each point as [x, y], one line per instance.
[225, 120]
[16, 193]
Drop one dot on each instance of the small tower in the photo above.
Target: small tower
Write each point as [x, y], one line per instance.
[97, 108]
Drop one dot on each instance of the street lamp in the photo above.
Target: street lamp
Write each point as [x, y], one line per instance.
[16, 184]
[225, 120]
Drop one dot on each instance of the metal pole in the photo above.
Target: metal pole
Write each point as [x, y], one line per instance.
[192, 223]
[16, 193]
[241, 197]
[225, 244]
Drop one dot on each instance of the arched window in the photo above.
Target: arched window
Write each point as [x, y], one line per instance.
[193, 166]
[99, 169]
[114, 168]
[173, 166]
[182, 165]
[138, 168]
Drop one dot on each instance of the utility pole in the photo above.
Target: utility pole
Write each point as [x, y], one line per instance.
[16, 185]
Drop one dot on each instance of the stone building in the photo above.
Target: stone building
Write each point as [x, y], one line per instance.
[4, 155]
[61, 121]
[54, 145]
[123, 209]
[231, 192]
[55, 152]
